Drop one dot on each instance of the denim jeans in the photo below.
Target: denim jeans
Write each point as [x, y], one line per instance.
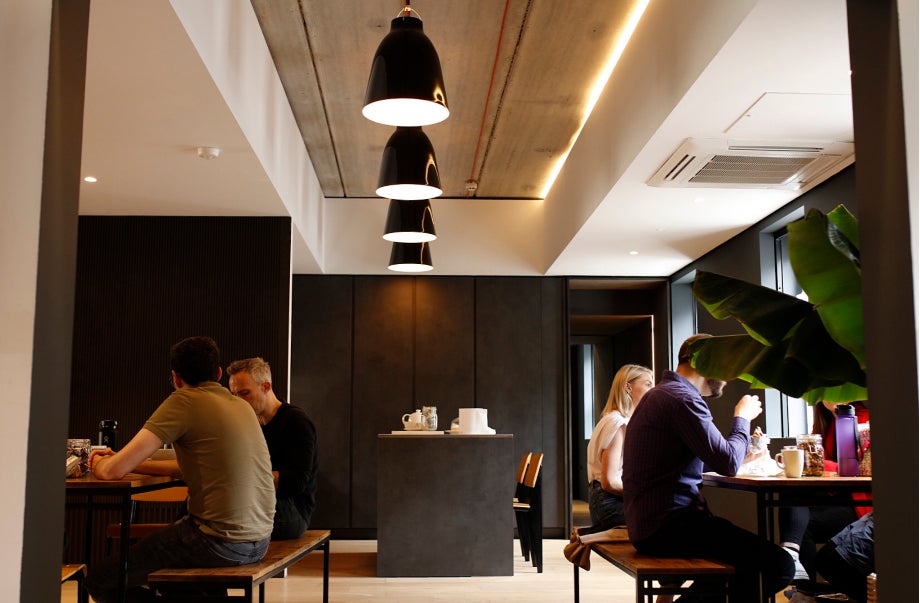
[606, 508]
[180, 544]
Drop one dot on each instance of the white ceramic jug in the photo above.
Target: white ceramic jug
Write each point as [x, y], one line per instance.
[413, 421]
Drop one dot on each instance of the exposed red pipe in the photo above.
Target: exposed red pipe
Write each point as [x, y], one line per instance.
[485, 109]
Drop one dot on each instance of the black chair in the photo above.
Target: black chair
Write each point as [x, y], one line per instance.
[528, 512]
[518, 492]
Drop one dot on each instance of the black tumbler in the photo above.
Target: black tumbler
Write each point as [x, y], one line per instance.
[108, 433]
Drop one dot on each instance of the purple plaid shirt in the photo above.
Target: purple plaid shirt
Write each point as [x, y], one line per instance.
[669, 438]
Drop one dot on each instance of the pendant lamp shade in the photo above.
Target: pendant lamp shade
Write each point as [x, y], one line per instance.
[410, 257]
[409, 222]
[405, 87]
[409, 169]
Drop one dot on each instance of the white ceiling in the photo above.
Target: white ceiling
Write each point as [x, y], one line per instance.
[166, 77]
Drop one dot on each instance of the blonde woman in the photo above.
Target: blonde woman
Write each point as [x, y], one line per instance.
[605, 450]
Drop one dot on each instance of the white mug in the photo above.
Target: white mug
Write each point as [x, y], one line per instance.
[474, 421]
[792, 461]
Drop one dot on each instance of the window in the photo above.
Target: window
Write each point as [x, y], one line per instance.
[796, 416]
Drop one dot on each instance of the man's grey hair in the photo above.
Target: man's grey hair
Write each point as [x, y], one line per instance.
[257, 368]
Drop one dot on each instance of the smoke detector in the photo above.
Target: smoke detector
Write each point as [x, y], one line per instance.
[208, 153]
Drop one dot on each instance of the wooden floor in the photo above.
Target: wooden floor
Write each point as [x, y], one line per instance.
[353, 577]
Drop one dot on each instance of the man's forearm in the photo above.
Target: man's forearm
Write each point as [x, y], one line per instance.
[165, 467]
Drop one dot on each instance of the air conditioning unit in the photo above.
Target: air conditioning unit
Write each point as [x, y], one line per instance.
[715, 163]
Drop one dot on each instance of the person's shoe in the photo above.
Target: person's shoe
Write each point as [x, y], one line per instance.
[800, 597]
[794, 595]
[800, 573]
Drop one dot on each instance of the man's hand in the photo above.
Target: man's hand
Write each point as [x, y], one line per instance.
[748, 407]
[107, 464]
[756, 456]
[97, 455]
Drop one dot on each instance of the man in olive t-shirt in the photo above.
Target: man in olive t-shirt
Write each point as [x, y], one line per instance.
[223, 459]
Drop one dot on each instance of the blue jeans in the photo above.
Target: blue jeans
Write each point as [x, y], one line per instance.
[180, 544]
[606, 508]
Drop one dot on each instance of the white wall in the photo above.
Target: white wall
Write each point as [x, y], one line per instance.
[24, 39]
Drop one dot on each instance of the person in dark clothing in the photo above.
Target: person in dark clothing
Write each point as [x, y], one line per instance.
[291, 439]
[849, 557]
[669, 438]
[802, 528]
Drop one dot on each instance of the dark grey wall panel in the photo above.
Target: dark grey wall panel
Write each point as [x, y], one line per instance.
[509, 363]
[321, 370]
[383, 386]
[144, 283]
[444, 345]
[553, 403]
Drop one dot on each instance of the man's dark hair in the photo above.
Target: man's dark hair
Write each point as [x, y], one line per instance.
[196, 360]
[684, 355]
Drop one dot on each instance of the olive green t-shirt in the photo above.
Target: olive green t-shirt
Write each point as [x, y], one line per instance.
[224, 460]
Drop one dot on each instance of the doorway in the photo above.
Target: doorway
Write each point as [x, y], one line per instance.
[612, 322]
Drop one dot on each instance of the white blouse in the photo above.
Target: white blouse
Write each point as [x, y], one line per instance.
[601, 438]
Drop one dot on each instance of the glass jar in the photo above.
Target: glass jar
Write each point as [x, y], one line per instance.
[814, 454]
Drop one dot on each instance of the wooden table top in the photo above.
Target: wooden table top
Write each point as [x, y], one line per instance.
[131, 481]
[765, 482]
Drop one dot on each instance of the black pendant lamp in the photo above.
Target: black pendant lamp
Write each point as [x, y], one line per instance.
[409, 222]
[410, 257]
[409, 169]
[405, 87]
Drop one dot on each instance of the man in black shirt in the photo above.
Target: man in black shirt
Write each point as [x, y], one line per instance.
[291, 439]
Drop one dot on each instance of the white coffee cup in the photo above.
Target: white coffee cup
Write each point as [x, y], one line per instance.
[792, 461]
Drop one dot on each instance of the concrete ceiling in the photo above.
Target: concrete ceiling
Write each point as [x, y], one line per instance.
[278, 86]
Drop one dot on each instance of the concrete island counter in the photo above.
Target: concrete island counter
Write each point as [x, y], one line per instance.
[444, 505]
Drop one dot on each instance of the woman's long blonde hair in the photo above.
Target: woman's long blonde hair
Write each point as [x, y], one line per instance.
[619, 399]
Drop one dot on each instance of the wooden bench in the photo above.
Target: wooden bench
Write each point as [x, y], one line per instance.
[76, 572]
[281, 555]
[647, 570]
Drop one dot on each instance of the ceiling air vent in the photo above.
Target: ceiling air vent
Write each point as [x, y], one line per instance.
[714, 163]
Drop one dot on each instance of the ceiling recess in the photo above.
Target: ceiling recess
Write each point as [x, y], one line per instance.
[715, 163]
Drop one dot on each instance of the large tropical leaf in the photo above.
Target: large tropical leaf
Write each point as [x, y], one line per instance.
[840, 394]
[812, 350]
[729, 357]
[826, 264]
[846, 223]
[766, 314]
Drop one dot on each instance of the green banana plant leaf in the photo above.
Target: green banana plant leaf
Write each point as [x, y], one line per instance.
[825, 259]
[812, 349]
[766, 314]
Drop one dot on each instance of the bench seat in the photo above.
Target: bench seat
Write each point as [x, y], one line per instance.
[672, 571]
[281, 555]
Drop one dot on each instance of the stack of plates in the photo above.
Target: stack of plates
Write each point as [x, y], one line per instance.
[871, 596]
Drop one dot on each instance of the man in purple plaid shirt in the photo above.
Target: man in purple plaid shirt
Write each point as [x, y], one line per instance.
[668, 440]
